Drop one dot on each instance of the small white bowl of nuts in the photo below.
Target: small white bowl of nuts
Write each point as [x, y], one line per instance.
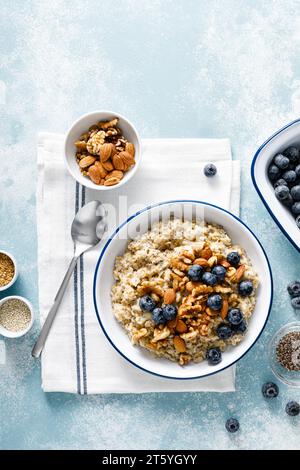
[102, 150]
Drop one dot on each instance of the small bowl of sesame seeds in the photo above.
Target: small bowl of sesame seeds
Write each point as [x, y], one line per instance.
[8, 270]
[16, 316]
[284, 353]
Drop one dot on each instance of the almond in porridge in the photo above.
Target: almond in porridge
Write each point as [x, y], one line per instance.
[186, 297]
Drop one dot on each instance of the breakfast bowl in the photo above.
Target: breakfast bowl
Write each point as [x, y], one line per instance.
[138, 225]
[286, 137]
[81, 128]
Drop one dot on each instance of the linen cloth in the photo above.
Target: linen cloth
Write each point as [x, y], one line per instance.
[77, 357]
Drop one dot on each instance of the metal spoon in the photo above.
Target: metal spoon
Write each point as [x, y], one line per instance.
[87, 230]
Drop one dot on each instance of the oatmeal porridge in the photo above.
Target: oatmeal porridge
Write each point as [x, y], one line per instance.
[184, 292]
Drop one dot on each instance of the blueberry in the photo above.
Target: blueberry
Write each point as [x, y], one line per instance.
[297, 171]
[289, 176]
[295, 192]
[224, 331]
[280, 182]
[296, 208]
[233, 258]
[295, 303]
[158, 316]
[292, 408]
[282, 192]
[288, 202]
[210, 170]
[245, 288]
[232, 425]
[234, 316]
[240, 328]
[294, 288]
[298, 221]
[270, 390]
[293, 154]
[281, 161]
[209, 279]
[169, 312]
[195, 273]
[214, 356]
[215, 302]
[220, 272]
[147, 304]
[273, 172]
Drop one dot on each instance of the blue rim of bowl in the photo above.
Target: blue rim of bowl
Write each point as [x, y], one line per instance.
[110, 240]
[257, 188]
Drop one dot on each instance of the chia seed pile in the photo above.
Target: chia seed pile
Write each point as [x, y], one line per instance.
[288, 351]
[14, 315]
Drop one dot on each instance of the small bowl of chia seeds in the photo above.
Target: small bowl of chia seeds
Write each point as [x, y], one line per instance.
[284, 352]
[16, 316]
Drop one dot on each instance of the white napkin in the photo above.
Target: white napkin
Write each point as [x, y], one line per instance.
[77, 357]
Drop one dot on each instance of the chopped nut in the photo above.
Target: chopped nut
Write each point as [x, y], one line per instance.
[160, 334]
[94, 143]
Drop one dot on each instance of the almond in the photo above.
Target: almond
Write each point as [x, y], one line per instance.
[106, 152]
[225, 263]
[101, 169]
[130, 148]
[181, 326]
[80, 144]
[127, 158]
[171, 324]
[115, 174]
[85, 162]
[111, 181]
[169, 296]
[224, 309]
[94, 174]
[239, 273]
[179, 344]
[206, 252]
[108, 165]
[118, 163]
[201, 262]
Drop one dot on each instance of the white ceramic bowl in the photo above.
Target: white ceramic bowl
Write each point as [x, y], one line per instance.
[285, 137]
[17, 334]
[81, 126]
[3, 288]
[116, 245]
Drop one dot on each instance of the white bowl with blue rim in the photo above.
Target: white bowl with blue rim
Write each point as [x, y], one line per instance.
[116, 245]
[286, 137]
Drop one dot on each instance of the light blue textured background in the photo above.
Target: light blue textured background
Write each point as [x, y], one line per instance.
[176, 68]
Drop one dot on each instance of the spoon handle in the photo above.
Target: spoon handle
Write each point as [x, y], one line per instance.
[39, 345]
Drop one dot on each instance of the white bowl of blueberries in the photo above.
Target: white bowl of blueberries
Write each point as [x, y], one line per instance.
[276, 176]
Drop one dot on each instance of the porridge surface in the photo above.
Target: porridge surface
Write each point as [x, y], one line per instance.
[156, 264]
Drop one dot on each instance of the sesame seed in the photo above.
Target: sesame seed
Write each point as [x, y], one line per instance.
[15, 315]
